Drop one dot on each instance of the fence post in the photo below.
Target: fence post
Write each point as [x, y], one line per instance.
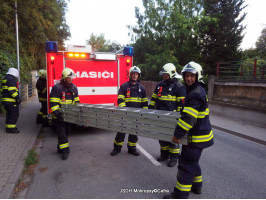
[255, 66]
[242, 71]
[217, 70]
[33, 75]
[211, 80]
[262, 74]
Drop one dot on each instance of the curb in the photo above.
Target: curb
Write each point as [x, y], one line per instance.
[240, 135]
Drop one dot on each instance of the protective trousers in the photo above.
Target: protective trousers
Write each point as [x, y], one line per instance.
[12, 114]
[42, 115]
[189, 172]
[168, 148]
[62, 129]
[119, 141]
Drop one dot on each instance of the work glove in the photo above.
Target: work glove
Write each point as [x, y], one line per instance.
[18, 101]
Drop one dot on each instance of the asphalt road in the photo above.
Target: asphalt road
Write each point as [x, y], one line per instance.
[232, 168]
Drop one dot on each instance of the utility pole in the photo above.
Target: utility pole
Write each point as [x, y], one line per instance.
[18, 63]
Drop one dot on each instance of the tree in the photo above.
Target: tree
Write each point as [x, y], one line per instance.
[39, 21]
[261, 44]
[166, 33]
[100, 44]
[221, 32]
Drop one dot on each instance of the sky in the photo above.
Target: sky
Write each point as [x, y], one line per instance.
[111, 17]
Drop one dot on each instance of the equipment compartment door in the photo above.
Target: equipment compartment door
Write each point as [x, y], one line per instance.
[96, 80]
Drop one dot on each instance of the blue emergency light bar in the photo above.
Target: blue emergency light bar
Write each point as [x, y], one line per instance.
[128, 51]
[51, 46]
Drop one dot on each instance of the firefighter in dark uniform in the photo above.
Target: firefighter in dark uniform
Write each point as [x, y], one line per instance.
[64, 92]
[169, 94]
[131, 94]
[42, 96]
[195, 120]
[11, 99]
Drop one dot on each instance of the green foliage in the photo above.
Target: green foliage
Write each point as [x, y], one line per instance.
[100, 44]
[32, 158]
[250, 53]
[221, 32]
[39, 21]
[261, 44]
[165, 33]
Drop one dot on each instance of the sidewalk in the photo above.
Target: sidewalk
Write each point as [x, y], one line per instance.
[239, 128]
[14, 147]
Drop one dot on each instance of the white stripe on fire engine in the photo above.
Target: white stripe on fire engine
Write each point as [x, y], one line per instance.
[97, 90]
[149, 156]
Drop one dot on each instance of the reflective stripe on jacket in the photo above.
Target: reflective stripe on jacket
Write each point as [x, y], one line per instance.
[42, 90]
[168, 95]
[63, 94]
[9, 90]
[132, 95]
[195, 118]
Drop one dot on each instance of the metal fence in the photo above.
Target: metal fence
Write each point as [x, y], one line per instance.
[30, 89]
[248, 70]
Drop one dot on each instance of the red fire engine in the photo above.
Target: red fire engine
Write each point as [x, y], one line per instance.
[98, 75]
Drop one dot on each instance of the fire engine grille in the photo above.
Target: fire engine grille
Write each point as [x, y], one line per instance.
[156, 124]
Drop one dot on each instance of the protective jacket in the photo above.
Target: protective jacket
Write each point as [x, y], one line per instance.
[42, 90]
[168, 95]
[132, 95]
[62, 94]
[195, 118]
[9, 90]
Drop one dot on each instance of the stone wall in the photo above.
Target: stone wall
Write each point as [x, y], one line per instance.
[251, 95]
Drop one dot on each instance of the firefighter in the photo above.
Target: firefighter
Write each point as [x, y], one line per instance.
[42, 96]
[195, 120]
[169, 94]
[64, 92]
[131, 94]
[11, 99]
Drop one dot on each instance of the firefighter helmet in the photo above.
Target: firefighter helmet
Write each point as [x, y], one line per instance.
[67, 72]
[13, 71]
[170, 69]
[194, 68]
[135, 69]
[42, 73]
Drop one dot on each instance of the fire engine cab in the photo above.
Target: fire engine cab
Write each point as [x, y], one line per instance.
[98, 75]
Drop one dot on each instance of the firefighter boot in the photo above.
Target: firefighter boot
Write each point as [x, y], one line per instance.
[173, 196]
[115, 152]
[134, 152]
[162, 157]
[58, 149]
[196, 190]
[12, 130]
[172, 162]
[39, 119]
[65, 155]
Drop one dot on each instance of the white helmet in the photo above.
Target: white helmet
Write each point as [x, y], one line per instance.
[67, 72]
[170, 69]
[13, 71]
[42, 73]
[135, 69]
[194, 68]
